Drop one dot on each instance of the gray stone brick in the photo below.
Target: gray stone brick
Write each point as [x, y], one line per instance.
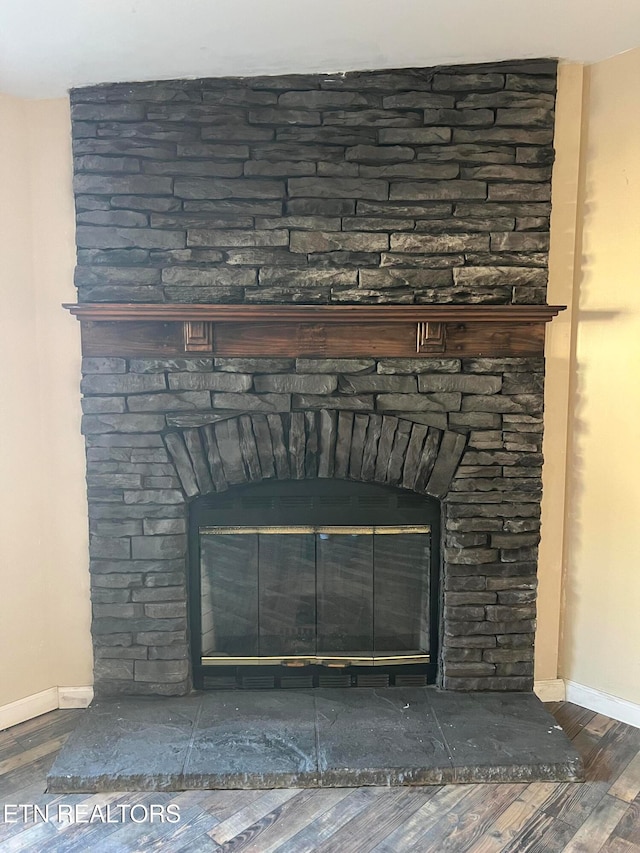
[112, 641]
[171, 671]
[104, 365]
[178, 652]
[324, 100]
[338, 188]
[514, 117]
[166, 609]
[396, 296]
[120, 527]
[220, 188]
[299, 223]
[411, 191]
[304, 278]
[117, 611]
[378, 154]
[503, 136]
[474, 420]
[371, 118]
[418, 365]
[206, 295]
[110, 547]
[517, 596]
[154, 496]
[170, 402]
[256, 365]
[116, 581]
[113, 669]
[418, 100]
[320, 207]
[511, 613]
[317, 383]
[122, 184]
[428, 383]
[128, 383]
[334, 365]
[214, 277]
[283, 295]
[252, 402]
[95, 424]
[123, 218]
[312, 401]
[96, 237]
[158, 547]
[234, 237]
[220, 381]
[458, 117]
[472, 82]
[163, 526]
[410, 278]
[373, 382]
[520, 241]
[333, 241]
[503, 403]
[159, 365]
[519, 192]
[417, 136]
[160, 638]
[282, 169]
[114, 481]
[114, 653]
[98, 405]
[418, 402]
[363, 223]
[455, 655]
[284, 116]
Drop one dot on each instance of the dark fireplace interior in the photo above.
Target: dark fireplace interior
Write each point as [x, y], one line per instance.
[314, 583]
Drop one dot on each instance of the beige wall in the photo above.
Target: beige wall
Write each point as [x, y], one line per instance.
[601, 626]
[559, 354]
[44, 606]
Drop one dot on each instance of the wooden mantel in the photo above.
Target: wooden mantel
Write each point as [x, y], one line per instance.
[171, 329]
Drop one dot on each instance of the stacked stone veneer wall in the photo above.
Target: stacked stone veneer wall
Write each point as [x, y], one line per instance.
[420, 185]
[425, 185]
[144, 458]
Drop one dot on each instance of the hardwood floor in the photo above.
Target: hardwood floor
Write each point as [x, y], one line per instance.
[603, 814]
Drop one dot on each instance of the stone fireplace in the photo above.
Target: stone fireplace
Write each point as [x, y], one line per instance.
[315, 279]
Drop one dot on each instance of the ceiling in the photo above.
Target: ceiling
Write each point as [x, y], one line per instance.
[49, 46]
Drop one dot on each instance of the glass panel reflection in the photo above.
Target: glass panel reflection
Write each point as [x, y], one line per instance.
[287, 595]
[345, 593]
[401, 593]
[316, 592]
[229, 594]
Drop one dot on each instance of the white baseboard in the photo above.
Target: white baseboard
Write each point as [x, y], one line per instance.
[75, 697]
[603, 703]
[41, 703]
[550, 690]
[29, 707]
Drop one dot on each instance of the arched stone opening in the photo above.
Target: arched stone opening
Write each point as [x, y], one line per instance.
[306, 445]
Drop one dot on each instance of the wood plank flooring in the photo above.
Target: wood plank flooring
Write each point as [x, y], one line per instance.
[600, 816]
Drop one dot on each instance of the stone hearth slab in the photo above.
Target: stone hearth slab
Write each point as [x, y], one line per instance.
[313, 738]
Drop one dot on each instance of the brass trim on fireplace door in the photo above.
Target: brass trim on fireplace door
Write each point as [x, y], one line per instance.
[337, 661]
[346, 530]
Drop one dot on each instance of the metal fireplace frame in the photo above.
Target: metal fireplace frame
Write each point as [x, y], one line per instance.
[312, 504]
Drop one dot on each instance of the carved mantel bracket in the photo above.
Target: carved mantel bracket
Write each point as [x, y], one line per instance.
[312, 330]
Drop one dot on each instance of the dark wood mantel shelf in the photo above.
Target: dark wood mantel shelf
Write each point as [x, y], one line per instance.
[312, 330]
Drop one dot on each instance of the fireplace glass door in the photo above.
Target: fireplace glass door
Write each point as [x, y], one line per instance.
[329, 595]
